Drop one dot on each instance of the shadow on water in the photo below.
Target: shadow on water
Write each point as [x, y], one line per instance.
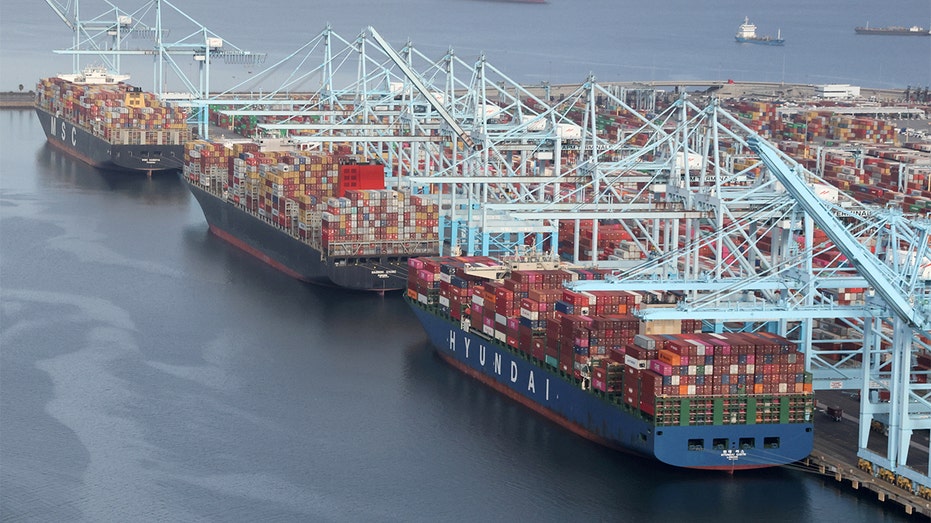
[60, 170]
[499, 430]
[339, 310]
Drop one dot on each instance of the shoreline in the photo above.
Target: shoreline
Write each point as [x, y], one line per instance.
[722, 88]
[17, 99]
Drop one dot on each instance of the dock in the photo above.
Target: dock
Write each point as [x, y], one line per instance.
[17, 100]
[835, 456]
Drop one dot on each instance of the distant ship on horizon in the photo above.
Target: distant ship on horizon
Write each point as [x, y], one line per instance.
[746, 34]
[892, 30]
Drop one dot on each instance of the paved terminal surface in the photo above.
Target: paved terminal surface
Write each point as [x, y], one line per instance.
[835, 455]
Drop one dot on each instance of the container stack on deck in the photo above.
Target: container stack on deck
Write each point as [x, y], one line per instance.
[119, 113]
[383, 217]
[593, 334]
[322, 195]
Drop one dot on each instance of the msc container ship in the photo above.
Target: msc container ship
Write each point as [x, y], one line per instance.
[702, 401]
[98, 118]
[320, 218]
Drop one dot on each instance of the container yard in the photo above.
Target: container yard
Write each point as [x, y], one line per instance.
[98, 118]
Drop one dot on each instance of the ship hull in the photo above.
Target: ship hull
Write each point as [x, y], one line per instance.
[892, 32]
[597, 418]
[759, 41]
[76, 141]
[298, 259]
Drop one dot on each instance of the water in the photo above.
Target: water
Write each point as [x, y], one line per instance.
[560, 41]
[150, 372]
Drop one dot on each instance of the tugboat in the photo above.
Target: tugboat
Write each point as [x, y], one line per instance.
[746, 34]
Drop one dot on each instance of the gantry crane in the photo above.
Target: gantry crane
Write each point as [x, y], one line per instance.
[105, 37]
[758, 267]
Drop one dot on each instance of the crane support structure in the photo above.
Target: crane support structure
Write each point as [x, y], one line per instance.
[866, 263]
[908, 408]
[414, 78]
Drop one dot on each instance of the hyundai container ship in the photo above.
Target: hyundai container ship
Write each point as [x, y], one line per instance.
[107, 123]
[322, 218]
[662, 390]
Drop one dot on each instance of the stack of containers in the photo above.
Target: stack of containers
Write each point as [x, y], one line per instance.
[206, 163]
[379, 221]
[119, 113]
[759, 116]
[728, 378]
[290, 189]
[613, 241]
[423, 280]
[538, 307]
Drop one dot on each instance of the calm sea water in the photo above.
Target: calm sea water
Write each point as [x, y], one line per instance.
[560, 41]
[150, 372]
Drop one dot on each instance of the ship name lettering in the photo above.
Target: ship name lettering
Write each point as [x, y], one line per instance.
[467, 342]
[530, 386]
[53, 124]
[513, 372]
[547, 389]
[452, 340]
[481, 355]
[63, 131]
[74, 140]
[498, 363]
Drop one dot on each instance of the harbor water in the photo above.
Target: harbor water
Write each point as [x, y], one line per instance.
[151, 372]
[559, 41]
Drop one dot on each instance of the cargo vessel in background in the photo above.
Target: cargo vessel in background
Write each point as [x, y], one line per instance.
[746, 34]
[107, 123]
[322, 218]
[892, 30]
[701, 401]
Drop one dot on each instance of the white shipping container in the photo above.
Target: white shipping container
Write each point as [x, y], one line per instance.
[828, 193]
[568, 131]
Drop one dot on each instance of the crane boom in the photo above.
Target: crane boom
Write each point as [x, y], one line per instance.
[419, 85]
[58, 11]
[865, 262]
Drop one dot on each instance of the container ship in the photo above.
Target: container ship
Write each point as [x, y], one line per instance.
[98, 118]
[322, 218]
[702, 401]
[892, 30]
[746, 34]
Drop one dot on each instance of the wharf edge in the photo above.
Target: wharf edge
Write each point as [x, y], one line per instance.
[828, 462]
